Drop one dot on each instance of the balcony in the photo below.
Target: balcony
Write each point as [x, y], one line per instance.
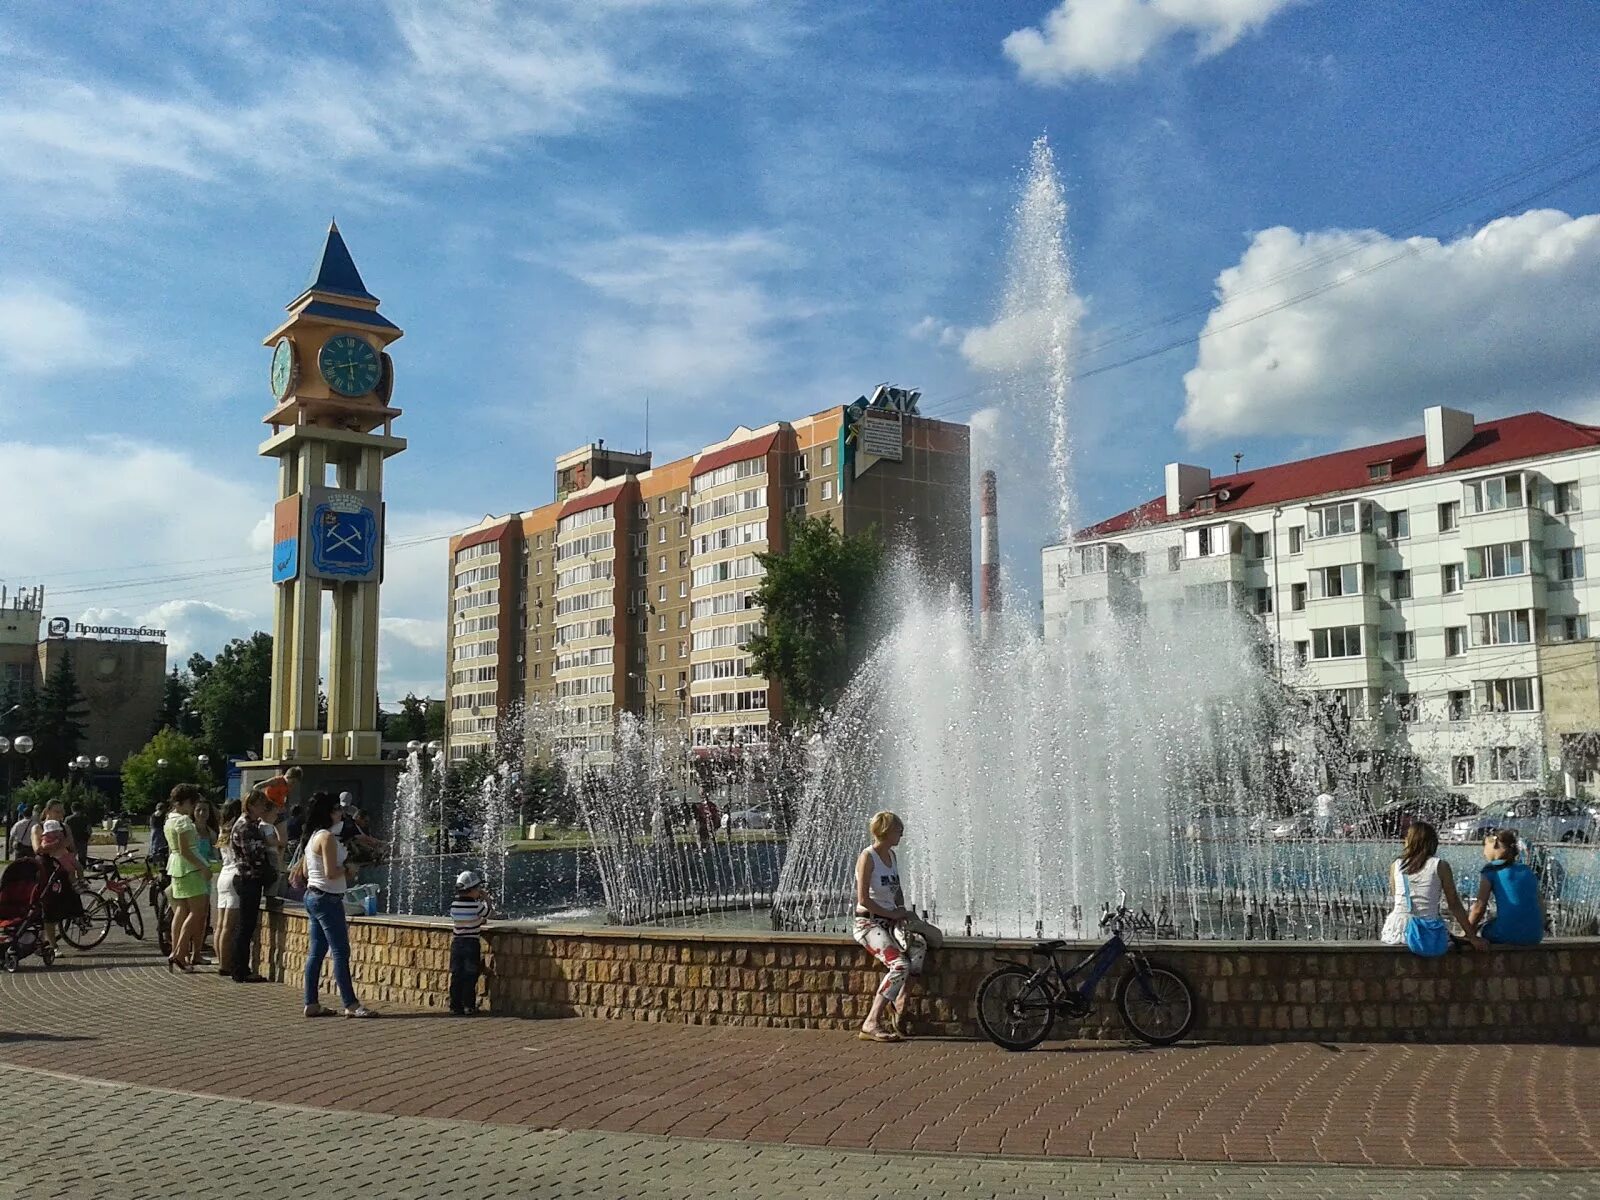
[1335, 550]
[1509, 591]
[1521, 524]
[1361, 608]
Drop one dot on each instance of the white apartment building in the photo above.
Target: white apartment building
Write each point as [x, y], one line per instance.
[1437, 582]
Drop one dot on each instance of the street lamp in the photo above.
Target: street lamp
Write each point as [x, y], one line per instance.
[22, 744]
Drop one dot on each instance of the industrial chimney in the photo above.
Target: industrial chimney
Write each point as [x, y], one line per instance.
[988, 558]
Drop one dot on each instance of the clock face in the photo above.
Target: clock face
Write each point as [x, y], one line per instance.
[283, 368]
[349, 364]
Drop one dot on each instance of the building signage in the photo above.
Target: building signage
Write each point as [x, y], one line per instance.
[881, 434]
[286, 539]
[344, 535]
[60, 627]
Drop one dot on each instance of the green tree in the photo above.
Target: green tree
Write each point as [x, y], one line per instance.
[410, 724]
[59, 713]
[145, 780]
[816, 594]
[36, 793]
[177, 700]
[233, 695]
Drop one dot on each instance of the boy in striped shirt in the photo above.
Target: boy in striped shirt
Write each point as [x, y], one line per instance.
[468, 911]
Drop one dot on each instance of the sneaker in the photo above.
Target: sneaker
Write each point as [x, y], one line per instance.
[359, 1011]
[250, 979]
[316, 1010]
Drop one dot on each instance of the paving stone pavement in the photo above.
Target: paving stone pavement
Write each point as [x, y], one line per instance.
[116, 1014]
[135, 1142]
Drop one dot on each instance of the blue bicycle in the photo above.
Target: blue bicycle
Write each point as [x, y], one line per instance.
[1018, 1003]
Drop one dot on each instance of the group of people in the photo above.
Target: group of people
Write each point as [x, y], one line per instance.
[1424, 884]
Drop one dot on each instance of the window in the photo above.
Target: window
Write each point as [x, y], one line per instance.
[1405, 646]
[1400, 585]
[1351, 701]
[1206, 504]
[661, 533]
[1463, 770]
[1133, 565]
[661, 504]
[1405, 707]
[801, 466]
[794, 496]
[827, 456]
[661, 593]
[1458, 705]
[1332, 520]
[1571, 564]
[1455, 641]
[1205, 542]
[1174, 557]
[1399, 525]
[661, 652]
[1450, 576]
[1260, 545]
[1380, 470]
[1569, 629]
[1568, 498]
[1342, 641]
[1513, 764]
[683, 618]
[1514, 626]
[1086, 560]
[1297, 597]
[827, 489]
[1507, 695]
[1327, 582]
[683, 558]
[661, 622]
[1302, 652]
[683, 589]
[1497, 562]
[1492, 495]
[1297, 538]
[1449, 516]
[1263, 600]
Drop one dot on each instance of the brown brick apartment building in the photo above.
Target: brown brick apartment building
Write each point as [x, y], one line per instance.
[633, 591]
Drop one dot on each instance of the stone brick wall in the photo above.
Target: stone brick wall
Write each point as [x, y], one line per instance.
[1249, 991]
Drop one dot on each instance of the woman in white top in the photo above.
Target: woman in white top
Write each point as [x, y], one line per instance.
[880, 906]
[227, 898]
[327, 878]
[1427, 880]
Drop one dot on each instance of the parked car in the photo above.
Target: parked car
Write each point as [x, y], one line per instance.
[1392, 820]
[750, 818]
[1296, 825]
[1216, 822]
[1536, 818]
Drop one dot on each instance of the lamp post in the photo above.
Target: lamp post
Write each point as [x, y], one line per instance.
[21, 745]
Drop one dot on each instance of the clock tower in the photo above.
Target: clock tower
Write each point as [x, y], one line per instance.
[331, 420]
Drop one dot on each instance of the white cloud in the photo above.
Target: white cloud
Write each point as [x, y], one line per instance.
[690, 313]
[940, 333]
[1503, 320]
[1103, 38]
[129, 533]
[42, 332]
[445, 83]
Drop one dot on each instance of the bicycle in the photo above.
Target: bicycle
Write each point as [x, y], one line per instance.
[1019, 1004]
[117, 901]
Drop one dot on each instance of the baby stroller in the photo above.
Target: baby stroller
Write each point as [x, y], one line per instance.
[23, 888]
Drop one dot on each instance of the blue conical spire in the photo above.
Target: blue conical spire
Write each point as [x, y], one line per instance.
[336, 270]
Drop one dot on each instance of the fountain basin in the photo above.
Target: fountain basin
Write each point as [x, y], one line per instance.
[1249, 991]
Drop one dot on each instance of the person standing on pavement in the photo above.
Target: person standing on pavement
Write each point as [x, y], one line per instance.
[226, 898]
[120, 829]
[191, 878]
[158, 849]
[327, 880]
[17, 844]
[468, 911]
[253, 873]
[79, 825]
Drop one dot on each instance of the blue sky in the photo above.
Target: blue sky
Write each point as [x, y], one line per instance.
[747, 211]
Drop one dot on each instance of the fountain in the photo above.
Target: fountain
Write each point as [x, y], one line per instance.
[410, 849]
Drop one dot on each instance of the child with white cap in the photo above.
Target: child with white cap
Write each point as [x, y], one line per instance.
[468, 911]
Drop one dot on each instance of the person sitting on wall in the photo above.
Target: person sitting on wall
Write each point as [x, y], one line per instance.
[1422, 884]
[277, 789]
[1518, 917]
[362, 847]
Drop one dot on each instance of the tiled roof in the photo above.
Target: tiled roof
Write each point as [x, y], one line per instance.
[478, 536]
[343, 312]
[586, 500]
[1507, 440]
[756, 447]
[336, 270]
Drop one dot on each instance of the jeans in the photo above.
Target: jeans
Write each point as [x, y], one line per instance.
[325, 919]
[464, 966]
[244, 930]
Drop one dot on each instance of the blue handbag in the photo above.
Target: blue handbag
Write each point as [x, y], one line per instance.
[1426, 937]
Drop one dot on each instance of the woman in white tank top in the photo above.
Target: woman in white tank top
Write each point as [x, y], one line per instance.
[326, 882]
[1427, 881]
[880, 906]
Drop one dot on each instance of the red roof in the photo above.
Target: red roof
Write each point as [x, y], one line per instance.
[757, 447]
[478, 536]
[577, 504]
[1507, 440]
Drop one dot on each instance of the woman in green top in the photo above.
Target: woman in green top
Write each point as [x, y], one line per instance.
[191, 878]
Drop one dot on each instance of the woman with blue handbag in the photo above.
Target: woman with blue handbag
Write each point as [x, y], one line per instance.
[1422, 882]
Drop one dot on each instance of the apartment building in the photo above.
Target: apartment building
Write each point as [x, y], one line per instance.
[1437, 583]
[634, 589]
